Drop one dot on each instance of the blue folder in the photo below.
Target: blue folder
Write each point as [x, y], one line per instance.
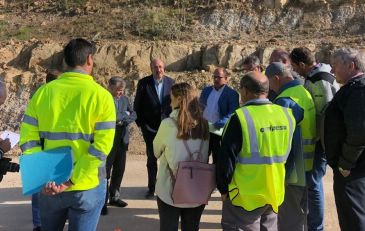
[39, 168]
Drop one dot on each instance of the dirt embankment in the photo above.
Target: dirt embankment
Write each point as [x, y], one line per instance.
[192, 37]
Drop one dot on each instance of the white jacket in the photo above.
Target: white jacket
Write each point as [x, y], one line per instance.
[168, 149]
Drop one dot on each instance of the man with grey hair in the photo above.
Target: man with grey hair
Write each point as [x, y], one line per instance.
[115, 163]
[344, 138]
[252, 63]
[291, 94]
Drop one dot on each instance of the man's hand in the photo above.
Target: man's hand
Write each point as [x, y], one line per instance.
[344, 173]
[5, 145]
[51, 188]
[224, 196]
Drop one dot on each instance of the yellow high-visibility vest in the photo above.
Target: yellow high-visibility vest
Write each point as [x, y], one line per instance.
[308, 125]
[259, 176]
[77, 112]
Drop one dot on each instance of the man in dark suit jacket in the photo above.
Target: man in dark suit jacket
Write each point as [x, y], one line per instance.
[152, 104]
[117, 157]
[219, 102]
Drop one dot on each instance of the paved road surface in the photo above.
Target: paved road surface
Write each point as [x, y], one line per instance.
[141, 214]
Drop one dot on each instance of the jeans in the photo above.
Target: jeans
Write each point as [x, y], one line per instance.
[169, 217]
[36, 212]
[315, 190]
[81, 208]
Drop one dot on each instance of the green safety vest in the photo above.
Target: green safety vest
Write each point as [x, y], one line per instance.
[77, 112]
[308, 125]
[259, 176]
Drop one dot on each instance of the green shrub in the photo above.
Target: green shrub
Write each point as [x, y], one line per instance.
[24, 33]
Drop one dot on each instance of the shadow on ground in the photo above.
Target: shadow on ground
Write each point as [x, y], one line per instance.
[140, 214]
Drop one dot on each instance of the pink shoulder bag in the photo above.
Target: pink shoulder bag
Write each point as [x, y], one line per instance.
[194, 181]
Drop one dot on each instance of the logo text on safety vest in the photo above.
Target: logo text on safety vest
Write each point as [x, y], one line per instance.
[273, 128]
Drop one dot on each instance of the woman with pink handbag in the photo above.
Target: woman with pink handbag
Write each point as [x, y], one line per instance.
[182, 137]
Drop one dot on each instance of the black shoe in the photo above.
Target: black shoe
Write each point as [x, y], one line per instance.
[118, 203]
[104, 210]
[150, 194]
[38, 228]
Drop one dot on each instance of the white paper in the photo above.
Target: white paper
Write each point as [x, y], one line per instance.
[12, 136]
[214, 130]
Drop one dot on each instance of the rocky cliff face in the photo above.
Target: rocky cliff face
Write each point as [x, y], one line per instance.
[218, 36]
[23, 67]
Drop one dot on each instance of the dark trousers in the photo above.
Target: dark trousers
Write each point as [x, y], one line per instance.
[115, 165]
[151, 159]
[214, 145]
[235, 218]
[169, 217]
[293, 211]
[350, 201]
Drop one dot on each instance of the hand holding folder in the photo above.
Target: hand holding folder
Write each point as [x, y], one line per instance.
[39, 168]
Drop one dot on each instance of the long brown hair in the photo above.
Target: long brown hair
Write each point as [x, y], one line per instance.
[190, 121]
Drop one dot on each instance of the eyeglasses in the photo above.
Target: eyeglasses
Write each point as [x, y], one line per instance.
[217, 77]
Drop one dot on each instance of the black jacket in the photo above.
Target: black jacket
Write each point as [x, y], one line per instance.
[344, 132]
[147, 105]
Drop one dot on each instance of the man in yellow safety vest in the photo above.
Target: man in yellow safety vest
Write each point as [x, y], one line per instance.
[77, 112]
[291, 94]
[250, 167]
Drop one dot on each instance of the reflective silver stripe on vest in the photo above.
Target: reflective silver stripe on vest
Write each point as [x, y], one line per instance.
[254, 147]
[28, 145]
[96, 153]
[256, 159]
[291, 129]
[308, 155]
[66, 136]
[101, 173]
[30, 120]
[105, 125]
[309, 141]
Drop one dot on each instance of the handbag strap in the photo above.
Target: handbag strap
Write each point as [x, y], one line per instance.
[191, 155]
[173, 179]
[199, 157]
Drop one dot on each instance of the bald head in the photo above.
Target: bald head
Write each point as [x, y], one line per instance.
[280, 55]
[157, 68]
[254, 85]
[3, 93]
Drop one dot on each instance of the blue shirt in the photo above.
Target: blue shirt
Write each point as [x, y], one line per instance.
[159, 88]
